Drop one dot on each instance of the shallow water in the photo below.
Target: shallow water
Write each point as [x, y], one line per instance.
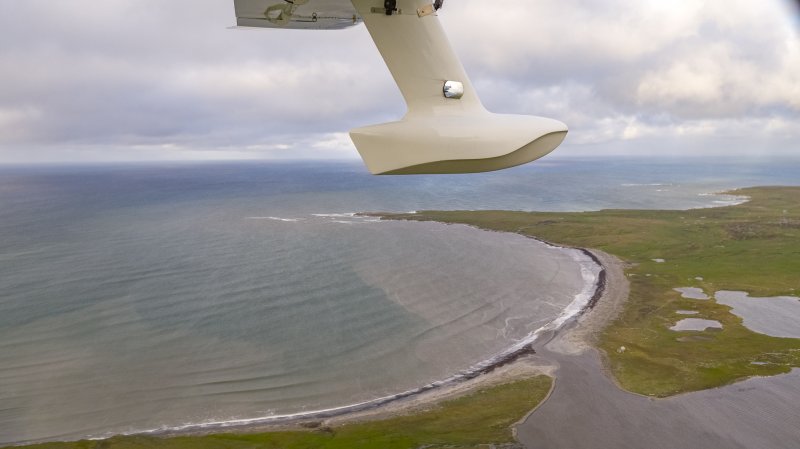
[696, 324]
[247, 330]
[778, 316]
[588, 410]
[691, 293]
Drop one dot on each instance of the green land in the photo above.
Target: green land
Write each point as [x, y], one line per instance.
[754, 247]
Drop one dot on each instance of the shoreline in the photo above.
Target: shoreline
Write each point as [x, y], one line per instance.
[519, 361]
[511, 364]
[583, 389]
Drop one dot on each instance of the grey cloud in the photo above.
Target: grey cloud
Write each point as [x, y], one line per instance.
[143, 72]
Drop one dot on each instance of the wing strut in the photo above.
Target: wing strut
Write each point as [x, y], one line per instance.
[446, 128]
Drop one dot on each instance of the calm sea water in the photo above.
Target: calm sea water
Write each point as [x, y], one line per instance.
[142, 297]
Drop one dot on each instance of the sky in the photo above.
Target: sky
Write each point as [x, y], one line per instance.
[136, 80]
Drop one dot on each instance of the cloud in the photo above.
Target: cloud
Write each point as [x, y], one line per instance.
[619, 71]
[147, 79]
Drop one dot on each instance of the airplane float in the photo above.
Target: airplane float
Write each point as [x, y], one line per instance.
[446, 128]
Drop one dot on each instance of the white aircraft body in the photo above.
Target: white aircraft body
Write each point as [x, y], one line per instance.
[446, 128]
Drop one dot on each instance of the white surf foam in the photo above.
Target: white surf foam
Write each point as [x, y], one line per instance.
[341, 215]
[724, 199]
[347, 218]
[291, 220]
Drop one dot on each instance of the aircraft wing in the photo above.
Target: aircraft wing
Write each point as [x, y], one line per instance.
[446, 128]
[296, 14]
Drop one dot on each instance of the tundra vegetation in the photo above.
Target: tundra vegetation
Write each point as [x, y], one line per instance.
[752, 247]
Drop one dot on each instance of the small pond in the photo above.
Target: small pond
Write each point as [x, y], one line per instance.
[691, 292]
[695, 324]
[778, 316]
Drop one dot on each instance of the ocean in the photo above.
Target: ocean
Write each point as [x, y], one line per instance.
[139, 297]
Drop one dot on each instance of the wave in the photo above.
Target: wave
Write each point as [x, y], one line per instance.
[354, 218]
[370, 220]
[341, 215]
[590, 272]
[292, 220]
[654, 184]
[727, 200]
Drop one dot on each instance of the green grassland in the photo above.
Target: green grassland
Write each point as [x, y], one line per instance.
[753, 247]
[474, 421]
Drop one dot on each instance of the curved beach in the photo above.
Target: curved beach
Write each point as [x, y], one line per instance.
[577, 327]
[409, 308]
